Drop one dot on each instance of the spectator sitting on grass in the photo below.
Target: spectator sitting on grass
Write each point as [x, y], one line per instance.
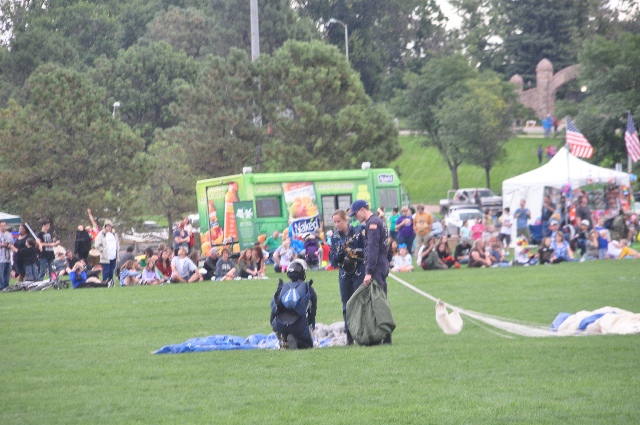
[183, 268]
[79, 279]
[592, 246]
[246, 265]
[462, 251]
[225, 268]
[60, 264]
[561, 249]
[402, 260]
[619, 250]
[150, 275]
[496, 254]
[428, 257]
[444, 253]
[523, 255]
[210, 264]
[259, 258]
[603, 243]
[392, 251]
[545, 251]
[164, 263]
[129, 274]
[478, 255]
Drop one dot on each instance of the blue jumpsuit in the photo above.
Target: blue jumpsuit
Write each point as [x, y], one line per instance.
[376, 241]
[375, 250]
[349, 282]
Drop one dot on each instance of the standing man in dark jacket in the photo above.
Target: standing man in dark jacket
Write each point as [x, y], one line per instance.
[375, 244]
[347, 254]
[375, 247]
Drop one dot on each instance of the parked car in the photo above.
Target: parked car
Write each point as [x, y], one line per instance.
[469, 197]
[457, 215]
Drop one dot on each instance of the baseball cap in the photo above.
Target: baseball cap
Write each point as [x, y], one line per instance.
[585, 222]
[357, 206]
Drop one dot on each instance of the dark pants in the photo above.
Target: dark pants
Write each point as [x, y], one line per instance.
[408, 240]
[348, 285]
[108, 269]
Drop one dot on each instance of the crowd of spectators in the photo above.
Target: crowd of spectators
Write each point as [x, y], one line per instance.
[485, 242]
[416, 239]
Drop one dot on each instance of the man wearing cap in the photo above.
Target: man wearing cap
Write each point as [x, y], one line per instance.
[554, 226]
[580, 239]
[107, 244]
[375, 244]
[376, 237]
[347, 253]
[548, 208]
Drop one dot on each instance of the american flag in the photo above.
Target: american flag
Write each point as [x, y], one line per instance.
[631, 140]
[578, 144]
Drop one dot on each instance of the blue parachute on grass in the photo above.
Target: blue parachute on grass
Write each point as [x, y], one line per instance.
[222, 343]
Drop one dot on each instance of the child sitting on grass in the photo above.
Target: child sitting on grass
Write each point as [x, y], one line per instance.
[150, 276]
[129, 275]
[402, 262]
[523, 255]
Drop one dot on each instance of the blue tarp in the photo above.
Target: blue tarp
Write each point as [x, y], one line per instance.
[229, 342]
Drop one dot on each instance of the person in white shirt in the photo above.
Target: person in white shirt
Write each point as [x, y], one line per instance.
[183, 269]
[505, 230]
[107, 244]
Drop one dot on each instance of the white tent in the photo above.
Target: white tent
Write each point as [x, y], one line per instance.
[10, 219]
[562, 168]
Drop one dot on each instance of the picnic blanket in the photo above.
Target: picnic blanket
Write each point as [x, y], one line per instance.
[605, 320]
[324, 336]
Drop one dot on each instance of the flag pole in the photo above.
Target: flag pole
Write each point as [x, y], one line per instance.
[629, 163]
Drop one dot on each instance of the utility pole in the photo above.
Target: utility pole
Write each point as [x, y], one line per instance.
[255, 33]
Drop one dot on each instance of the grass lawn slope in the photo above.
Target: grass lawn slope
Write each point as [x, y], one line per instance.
[427, 177]
[84, 356]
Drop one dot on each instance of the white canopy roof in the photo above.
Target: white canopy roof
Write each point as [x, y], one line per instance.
[562, 168]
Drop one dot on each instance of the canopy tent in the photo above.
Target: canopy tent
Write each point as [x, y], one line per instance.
[563, 168]
[10, 219]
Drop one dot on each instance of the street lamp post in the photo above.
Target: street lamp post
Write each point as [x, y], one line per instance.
[346, 35]
[116, 105]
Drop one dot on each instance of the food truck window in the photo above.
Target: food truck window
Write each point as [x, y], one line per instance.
[268, 207]
[331, 203]
[388, 197]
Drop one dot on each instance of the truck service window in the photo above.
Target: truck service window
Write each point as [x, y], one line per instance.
[388, 197]
[268, 207]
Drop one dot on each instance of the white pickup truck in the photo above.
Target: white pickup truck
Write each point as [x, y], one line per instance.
[482, 198]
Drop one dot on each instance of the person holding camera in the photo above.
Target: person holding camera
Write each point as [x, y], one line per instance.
[347, 254]
[79, 279]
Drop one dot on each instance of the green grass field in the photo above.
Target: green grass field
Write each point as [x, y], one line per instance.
[427, 178]
[84, 356]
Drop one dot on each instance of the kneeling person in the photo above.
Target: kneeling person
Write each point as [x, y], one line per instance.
[293, 308]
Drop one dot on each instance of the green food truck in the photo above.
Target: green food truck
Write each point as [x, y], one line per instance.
[241, 207]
